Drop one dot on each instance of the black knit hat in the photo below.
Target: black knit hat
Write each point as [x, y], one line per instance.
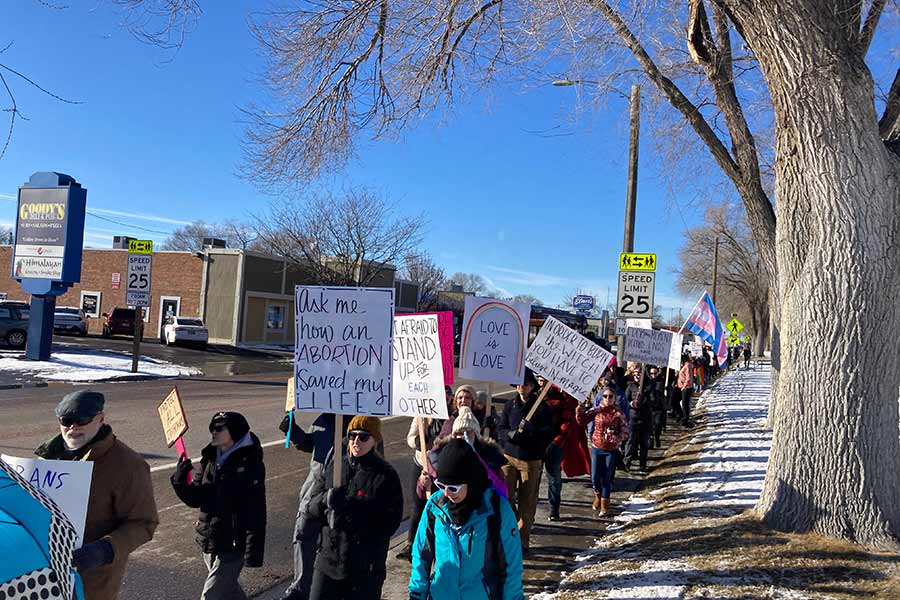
[457, 463]
[235, 423]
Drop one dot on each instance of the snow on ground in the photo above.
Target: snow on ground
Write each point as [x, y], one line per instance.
[724, 479]
[93, 366]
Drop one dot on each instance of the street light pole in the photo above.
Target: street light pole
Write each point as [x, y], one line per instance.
[631, 194]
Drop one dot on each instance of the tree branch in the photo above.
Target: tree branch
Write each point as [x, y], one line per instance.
[889, 125]
[871, 24]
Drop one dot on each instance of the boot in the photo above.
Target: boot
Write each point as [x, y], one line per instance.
[597, 500]
[604, 507]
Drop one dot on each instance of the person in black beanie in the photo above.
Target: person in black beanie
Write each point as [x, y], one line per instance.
[466, 508]
[230, 491]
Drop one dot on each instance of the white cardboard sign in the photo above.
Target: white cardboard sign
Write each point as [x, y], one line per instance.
[675, 351]
[418, 375]
[648, 346]
[566, 358]
[494, 339]
[342, 352]
[68, 482]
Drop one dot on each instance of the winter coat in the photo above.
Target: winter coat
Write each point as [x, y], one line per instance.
[686, 376]
[456, 563]
[490, 453]
[534, 439]
[232, 502]
[447, 428]
[639, 407]
[610, 427]
[655, 394]
[319, 440]
[562, 406]
[121, 508]
[433, 429]
[354, 544]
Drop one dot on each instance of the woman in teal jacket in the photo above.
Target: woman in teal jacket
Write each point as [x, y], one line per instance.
[467, 545]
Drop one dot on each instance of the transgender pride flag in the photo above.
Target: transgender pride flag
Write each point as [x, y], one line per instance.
[704, 322]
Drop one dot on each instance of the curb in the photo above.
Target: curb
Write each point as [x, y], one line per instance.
[18, 386]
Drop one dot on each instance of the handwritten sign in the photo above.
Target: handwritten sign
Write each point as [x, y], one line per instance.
[342, 357]
[648, 346]
[494, 337]
[418, 369]
[445, 333]
[675, 351]
[171, 413]
[68, 482]
[566, 358]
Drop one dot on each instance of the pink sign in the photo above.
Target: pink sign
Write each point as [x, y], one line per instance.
[445, 335]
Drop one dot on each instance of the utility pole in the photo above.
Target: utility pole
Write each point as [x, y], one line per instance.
[715, 269]
[631, 194]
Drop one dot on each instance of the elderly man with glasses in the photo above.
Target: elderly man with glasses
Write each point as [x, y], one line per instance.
[121, 513]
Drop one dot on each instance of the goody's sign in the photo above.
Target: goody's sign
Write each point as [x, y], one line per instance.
[41, 233]
[583, 302]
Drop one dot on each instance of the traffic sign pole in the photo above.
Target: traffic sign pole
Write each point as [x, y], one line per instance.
[137, 290]
[138, 332]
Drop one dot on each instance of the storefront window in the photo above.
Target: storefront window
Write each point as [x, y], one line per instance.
[275, 317]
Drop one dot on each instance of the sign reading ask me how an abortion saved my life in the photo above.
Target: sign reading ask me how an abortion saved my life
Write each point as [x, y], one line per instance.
[567, 359]
[342, 353]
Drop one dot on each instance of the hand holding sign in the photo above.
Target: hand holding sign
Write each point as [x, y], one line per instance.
[174, 422]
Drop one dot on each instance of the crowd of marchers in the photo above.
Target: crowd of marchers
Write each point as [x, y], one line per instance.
[474, 488]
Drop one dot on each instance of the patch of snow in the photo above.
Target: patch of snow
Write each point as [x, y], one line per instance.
[84, 367]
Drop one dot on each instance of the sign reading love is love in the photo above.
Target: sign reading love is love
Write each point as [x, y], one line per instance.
[494, 340]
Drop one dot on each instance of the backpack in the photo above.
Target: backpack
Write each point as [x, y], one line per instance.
[493, 572]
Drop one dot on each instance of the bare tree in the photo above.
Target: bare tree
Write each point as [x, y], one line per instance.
[470, 282]
[342, 70]
[526, 299]
[742, 284]
[6, 235]
[422, 270]
[347, 239]
[190, 237]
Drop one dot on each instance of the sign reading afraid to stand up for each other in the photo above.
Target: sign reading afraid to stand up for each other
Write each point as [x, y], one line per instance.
[567, 359]
[418, 369]
[342, 356]
[494, 339]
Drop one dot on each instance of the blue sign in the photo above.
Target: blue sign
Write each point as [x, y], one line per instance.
[585, 303]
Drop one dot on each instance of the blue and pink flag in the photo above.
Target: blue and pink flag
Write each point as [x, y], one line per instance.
[704, 322]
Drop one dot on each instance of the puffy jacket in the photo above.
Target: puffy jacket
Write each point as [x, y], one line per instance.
[232, 502]
[686, 376]
[532, 443]
[462, 560]
[355, 543]
[640, 408]
[610, 427]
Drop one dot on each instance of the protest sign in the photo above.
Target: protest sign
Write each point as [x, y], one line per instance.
[568, 359]
[418, 377]
[648, 346]
[675, 352]
[171, 413]
[342, 356]
[494, 337]
[68, 482]
[696, 349]
[445, 333]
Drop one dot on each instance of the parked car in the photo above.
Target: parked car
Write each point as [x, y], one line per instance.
[14, 323]
[119, 322]
[69, 319]
[185, 330]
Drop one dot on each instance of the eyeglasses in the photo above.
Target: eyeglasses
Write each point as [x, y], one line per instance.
[80, 421]
[453, 489]
[216, 428]
[609, 395]
[362, 436]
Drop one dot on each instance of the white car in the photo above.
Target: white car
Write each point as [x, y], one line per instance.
[69, 319]
[185, 330]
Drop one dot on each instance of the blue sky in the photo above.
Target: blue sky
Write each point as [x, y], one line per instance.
[156, 141]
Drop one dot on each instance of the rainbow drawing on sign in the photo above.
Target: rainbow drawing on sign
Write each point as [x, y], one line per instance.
[480, 313]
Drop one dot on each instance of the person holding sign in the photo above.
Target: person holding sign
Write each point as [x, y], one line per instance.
[609, 431]
[641, 422]
[686, 386]
[230, 491]
[524, 443]
[121, 512]
[466, 545]
[361, 514]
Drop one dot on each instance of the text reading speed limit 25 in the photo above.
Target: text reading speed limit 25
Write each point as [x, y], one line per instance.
[635, 297]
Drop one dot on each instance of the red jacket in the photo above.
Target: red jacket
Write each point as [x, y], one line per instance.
[610, 427]
[563, 406]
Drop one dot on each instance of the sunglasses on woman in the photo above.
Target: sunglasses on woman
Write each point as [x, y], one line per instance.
[80, 421]
[609, 395]
[362, 436]
[453, 489]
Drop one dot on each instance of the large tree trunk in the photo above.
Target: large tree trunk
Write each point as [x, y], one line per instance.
[835, 453]
[760, 329]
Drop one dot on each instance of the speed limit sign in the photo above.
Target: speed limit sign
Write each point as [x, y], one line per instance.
[137, 280]
[635, 297]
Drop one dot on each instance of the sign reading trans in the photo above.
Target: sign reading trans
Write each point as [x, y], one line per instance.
[41, 225]
[582, 302]
[137, 281]
[635, 295]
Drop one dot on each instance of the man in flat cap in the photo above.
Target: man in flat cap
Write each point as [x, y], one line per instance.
[121, 514]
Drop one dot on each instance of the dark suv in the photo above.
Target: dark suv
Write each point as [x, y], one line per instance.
[119, 322]
[14, 323]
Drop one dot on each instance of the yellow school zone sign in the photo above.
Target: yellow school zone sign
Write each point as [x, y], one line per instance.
[140, 246]
[631, 261]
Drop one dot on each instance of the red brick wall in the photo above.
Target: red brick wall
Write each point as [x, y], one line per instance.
[174, 274]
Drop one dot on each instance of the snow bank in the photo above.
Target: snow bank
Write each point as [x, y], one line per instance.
[86, 367]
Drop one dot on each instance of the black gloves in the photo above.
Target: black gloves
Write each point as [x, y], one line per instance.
[490, 422]
[93, 555]
[296, 432]
[182, 469]
[525, 430]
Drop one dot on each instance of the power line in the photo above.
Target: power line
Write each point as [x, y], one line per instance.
[96, 216]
